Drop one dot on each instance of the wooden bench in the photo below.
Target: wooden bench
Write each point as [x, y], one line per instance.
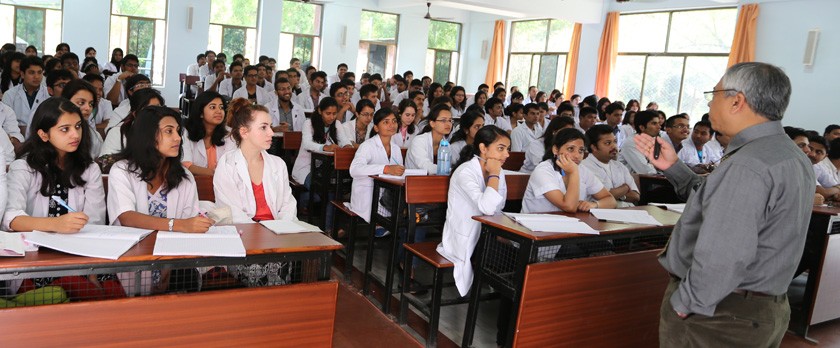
[515, 161]
[350, 232]
[516, 185]
[426, 252]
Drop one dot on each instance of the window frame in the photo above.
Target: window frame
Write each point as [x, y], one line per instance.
[315, 61]
[165, 19]
[43, 10]
[256, 28]
[396, 43]
[511, 52]
[457, 50]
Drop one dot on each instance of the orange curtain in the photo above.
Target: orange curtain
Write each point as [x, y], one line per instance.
[495, 66]
[606, 54]
[572, 62]
[743, 44]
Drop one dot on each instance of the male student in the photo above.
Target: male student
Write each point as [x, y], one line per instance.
[825, 172]
[132, 84]
[339, 74]
[615, 112]
[800, 139]
[646, 122]
[214, 79]
[369, 92]
[495, 114]
[831, 163]
[603, 151]
[414, 86]
[206, 69]
[194, 68]
[697, 152]
[26, 96]
[677, 129]
[309, 99]
[70, 62]
[286, 115]
[114, 90]
[294, 80]
[251, 91]
[532, 95]
[522, 136]
[401, 87]
[832, 132]
[234, 82]
[588, 118]
[566, 110]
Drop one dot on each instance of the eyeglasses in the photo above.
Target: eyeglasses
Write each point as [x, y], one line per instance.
[135, 65]
[711, 94]
[61, 84]
[366, 114]
[680, 126]
[444, 120]
[250, 76]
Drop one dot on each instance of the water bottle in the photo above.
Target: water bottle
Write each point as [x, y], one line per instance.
[444, 158]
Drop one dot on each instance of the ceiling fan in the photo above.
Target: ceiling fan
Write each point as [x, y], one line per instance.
[429, 15]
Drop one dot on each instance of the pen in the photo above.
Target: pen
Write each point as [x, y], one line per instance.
[657, 149]
[62, 203]
[204, 215]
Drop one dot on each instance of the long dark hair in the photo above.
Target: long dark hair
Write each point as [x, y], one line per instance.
[433, 116]
[405, 104]
[431, 95]
[195, 123]
[241, 114]
[142, 155]
[486, 135]
[140, 99]
[380, 115]
[318, 125]
[77, 85]
[555, 125]
[117, 63]
[562, 137]
[6, 75]
[463, 104]
[464, 125]
[42, 157]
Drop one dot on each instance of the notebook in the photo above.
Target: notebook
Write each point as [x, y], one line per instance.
[627, 216]
[221, 241]
[288, 226]
[11, 244]
[408, 172]
[103, 241]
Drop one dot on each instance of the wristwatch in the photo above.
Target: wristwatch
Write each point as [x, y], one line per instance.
[171, 224]
[622, 198]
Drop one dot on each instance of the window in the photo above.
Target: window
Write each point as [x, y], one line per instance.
[538, 51]
[672, 57]
[442, 55]
[378, 43]
[31, 22]
[301, 30]
[233, 28]
[139, 28]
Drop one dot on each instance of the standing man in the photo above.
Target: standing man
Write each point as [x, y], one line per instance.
[735, 249]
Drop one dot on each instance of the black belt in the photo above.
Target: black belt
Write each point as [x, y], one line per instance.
[740, 292]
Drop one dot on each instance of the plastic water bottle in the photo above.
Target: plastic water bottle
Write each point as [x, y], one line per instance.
[444, 158]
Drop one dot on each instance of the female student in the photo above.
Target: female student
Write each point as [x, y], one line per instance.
[115, 137]
[536, 148]
[469, 124]
[422, 152]
[113, 66]
[82, 94]
[480, 98]
[254, 184]
[407, 129]
[358, 128]
[55, 161]
[560, 182]
[11, 75]
[379, 155]
[206, 138]
[435, 91]
[459, 101]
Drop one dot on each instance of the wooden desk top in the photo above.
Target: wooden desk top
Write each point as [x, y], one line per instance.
[653, 176]
[825, 210]
[390, 181]
[668, 218]
[257, 239]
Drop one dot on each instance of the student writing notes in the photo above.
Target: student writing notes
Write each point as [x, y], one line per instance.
[254, 184]
[423, 149]
[206, 138]
[558, 182]
[378, 155]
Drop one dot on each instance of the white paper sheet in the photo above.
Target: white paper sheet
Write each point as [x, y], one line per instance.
[628, 216]
[11, 244]
[221, 241]
[111, 232]
[408, 172]
[106, 248]
[513, 172]
[283, 227]
[560, 227]
[677, 208]
[521, 218]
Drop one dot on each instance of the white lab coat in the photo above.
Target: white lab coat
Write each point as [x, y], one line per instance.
[545, 179]
[421, 154]
[297, 115]
[126, 192]
[10, 123]
[114, 141]
[522, 136]
[370, 159]
[263, 97]
[409, 136]
[6, 147]
[118, 115]
[455, 148]
[305, 101]
[468, 196]
[533, 155]
[96, 141]
[233, 187]
[688, 153]
[103, 112]
[4, 194]
[350, 130]
[307, 146]
[24, 196]
[196, 153]
[15, 98]
[109, 84]
[502, 122]
[226, 87]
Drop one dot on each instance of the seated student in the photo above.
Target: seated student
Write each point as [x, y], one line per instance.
[114, 90]
[480, 98]
[459, 101]
[55, 161]
[406, 128]
[254, 184]
[418, 98]
[339, 75]
[825, 172]
[358, 128]
[311, 97]
[70, 62]
[83, 95]
[206, 139]
[113, 66]
[554, 99]
[565, 109]
[369, 92]
[697, 152]
[286, 114]
[800, 139]
[544, 116]
[646, 122]
[213, 79]
[346, 109]
[626, 129]
[469, 124]
[233, 83]
[613, 113]
[435, 91]
[495, 115]
[102, 112]
[831, 163]
[601, 161]
[132, 85]
[517, 98]
[252, 92]
[831, 132]
[676, 129]
[422, 152]
[115, 137]
[587, 118]
[516, 116]
[25, 97]
[522, 136]
[536, 148]
[558, 182]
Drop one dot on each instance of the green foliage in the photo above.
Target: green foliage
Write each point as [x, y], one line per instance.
[300, 18]
[442, 66]
[378, 26]
[241, 13]
[29, 26]
[302, 49]
[141, 33]
[140, 8]
[233, 41]
[444, 35]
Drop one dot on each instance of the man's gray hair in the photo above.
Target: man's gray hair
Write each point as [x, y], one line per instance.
[765, 87]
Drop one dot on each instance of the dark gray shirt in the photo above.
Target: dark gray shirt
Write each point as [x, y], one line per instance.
[744, 225]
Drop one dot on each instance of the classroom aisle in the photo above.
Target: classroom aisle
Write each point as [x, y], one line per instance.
[359, 324]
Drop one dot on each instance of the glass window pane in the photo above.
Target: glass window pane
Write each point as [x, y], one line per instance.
[140, 8]
[53, 4]
[560, 36]
[430, 62]
[535, 70]
[528, 36]
[662, 82]
[392, 60]
[233, 41]
[29, 27]
[548, 73]
[241, 13]
[701, 74]
[560, 78]
[519, 70]
[442, 61]
[377, 26]
[303, 49]
[141, 32]
[626, 79]
[119, 33]
[444, 35]
[7, 20]
[301, 18]
[52, 33]
[708, 31]
[643, 32]
[214, 40]
[377, 59]
[453, 71]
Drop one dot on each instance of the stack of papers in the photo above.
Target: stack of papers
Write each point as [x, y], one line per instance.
[512, 172]
[218, 241]
[103, 241]
[287, 226]
[627, 216]
[677, 208]
[11, 244]
[408, 172]
[552, 223]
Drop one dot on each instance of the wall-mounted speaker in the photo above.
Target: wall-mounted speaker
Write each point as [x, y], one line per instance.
[484, 49]
[343, 37]
[811, 47]
[189, 18]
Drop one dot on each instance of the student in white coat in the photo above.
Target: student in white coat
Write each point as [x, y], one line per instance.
[378, 155]
[359, 128]
[230, 85]
[115, 137]
[17, 97]
[286, 115]
[10, 125]
[132, 85]
[530, 131]
[206, 138]
[422, 152]
[82, 94]
[318, 81]
[477, 187]
[407, 129]
[536, 148]
[254, 184]
[559, 182]
[459, 101]
[251, 91]
[469, 125]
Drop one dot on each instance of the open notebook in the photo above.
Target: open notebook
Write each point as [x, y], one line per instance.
[218, 241]
[107, 242]
[408, 172]
[552, 223]
[288, 226]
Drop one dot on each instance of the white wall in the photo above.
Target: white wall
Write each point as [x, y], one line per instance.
[86, 24]
[474, 67]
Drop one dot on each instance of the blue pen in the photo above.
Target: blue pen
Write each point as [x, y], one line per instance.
[62, 203]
